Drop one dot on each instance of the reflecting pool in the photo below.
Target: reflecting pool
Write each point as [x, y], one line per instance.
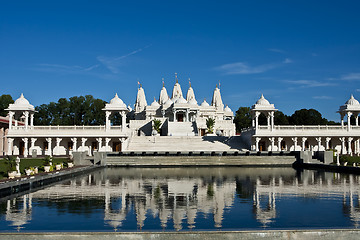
[188, 199]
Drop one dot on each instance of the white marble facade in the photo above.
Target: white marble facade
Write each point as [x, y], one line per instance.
[179, 117]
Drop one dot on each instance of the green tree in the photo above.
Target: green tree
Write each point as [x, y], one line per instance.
[280, 118]
[82, 110]
[307, 117]
[5, 100]
[242, 119]
[210, 123]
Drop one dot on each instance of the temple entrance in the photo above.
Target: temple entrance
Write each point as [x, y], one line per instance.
[262, 146]
[203, 132]
[116, 147]
[180, 117]
[94, 146]
[21, 148]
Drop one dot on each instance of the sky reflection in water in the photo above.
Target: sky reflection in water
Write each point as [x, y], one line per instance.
[190, 199]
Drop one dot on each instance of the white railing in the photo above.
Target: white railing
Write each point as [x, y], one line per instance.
[309, 127]
[60, 128]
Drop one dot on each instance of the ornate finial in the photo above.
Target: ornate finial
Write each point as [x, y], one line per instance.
[176, 78]
[116, 95]
[163, 82]
[22, 95]
[154, 99]
[189, 83]
[219, 83]
[216, 86]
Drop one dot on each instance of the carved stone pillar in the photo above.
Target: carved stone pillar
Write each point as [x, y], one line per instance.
[272, 143]
[49, 140]
[123, 120]
[279, 143]
[349, 146]
[107, 120]
[83, 142]
[26, 114]
[33, 140]
[257, 140]
[295, 139]
[107, 140]
[303, 141]
[272, 120]
[257, 114]
[10, 145]
[348, 119]
[74, 148]
[318, 139]
[327, 141]
[343, 149]
[11, 115]
[99, 140]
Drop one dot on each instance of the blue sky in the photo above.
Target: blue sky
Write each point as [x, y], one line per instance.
[299, 54]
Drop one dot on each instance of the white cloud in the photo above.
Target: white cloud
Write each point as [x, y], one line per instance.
[322, 97]
[287, 60]
[309, 83]
[357, 90]
[243, 68]
[45, 67]
[351, 76]
[276, 50]
[113, 63]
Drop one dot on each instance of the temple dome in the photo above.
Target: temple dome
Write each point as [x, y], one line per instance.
[227, 109]
[192, 102]
[205, 104]
[352, 101]
[262, 101]
[21, 101]
[155, 104]
[117, 101]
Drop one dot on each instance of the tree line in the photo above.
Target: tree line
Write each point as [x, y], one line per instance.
[87, 110]
[243, 118]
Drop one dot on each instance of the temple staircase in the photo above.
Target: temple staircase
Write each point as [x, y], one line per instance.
[185, 143]
[182, 129]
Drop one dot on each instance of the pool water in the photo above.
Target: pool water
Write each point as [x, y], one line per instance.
[188, 199]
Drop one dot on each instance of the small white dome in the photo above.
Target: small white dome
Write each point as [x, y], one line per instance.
[262, 101]
[205, 104]
[21, 101]
[181, 100]
[352, 101]
[116, 101]
[227, 109]
[155, 104]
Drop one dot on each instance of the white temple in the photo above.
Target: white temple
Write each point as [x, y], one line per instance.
[180, 118]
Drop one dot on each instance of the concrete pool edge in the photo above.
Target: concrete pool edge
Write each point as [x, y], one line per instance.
[327, 234]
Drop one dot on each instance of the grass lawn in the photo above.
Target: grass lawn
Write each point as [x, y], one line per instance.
[26, 163]
[349, 159]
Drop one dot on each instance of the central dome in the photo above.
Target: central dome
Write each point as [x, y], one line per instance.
[262, 101]
[22, 101]
[117, 101]
[352, 101]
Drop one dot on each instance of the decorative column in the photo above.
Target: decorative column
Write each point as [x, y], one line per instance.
[295, 142]
[356, 119]
[33, 140]
[74, 140]
[174, 113]
[342, 115]
[187, 115]
[272, 120]
[11, 115]
[107, 140]
[123, 120]
[58, 140]
[303, 140]
[272, 142]
[279, 143]
[49, 140]
[348, 119]
[349, 146]
[26, 114]
[25, 140]
[83, 141]
[107, 120]
[358, 147]
[10, 144]
[343, 149]
[99, 140]
[268, 120]
[257, 140]
[31, 120]
[257, 114]
[318, 139]
[327, 141]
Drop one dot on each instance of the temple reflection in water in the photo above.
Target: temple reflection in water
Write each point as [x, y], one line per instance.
[186, 199]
